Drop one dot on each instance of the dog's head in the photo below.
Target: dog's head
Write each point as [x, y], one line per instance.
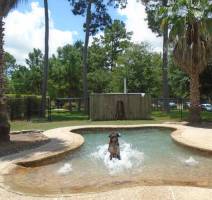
[114, 137]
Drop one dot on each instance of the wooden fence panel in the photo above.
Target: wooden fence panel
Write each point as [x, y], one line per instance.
[119, 106]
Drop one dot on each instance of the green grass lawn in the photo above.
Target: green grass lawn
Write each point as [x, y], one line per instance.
[65, 118]
[178, 116]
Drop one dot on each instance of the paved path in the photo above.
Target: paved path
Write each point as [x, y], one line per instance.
[135, 193]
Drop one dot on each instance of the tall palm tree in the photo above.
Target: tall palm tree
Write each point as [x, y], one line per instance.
[46, 61]
[190, 33]
[5, 7]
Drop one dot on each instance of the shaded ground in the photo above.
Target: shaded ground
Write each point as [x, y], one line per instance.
[202, 125]
[22, 141]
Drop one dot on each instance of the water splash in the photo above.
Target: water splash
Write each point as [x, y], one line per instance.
[191, 161]
[130, 158]
[65, 169]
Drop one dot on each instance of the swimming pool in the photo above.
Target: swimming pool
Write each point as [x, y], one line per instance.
[148, 157]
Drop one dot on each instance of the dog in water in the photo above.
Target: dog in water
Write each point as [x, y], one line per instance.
[114, 146]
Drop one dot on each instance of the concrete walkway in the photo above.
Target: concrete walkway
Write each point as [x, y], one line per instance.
[63, 141]
[135, 193]
[199, 138]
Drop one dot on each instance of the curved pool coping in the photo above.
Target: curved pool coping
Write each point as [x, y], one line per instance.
[64, 140]
[197, 138]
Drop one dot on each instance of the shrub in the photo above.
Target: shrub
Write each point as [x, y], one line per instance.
[23, 106]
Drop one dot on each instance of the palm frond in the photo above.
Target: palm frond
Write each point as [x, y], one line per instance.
[7, 5]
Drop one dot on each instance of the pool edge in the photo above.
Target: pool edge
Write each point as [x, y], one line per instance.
[177, 133]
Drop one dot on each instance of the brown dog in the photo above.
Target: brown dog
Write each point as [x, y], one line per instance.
[114, 146]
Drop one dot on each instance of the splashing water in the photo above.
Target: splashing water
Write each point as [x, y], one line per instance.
[191, 161]
[65, 169]
[129, 158]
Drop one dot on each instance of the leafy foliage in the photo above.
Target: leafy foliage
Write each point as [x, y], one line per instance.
[66, 72]
[142, 68]
[151, 8]
[99, 15]
[115, 41]
[10, 63]
[178, 81]
[137, 63]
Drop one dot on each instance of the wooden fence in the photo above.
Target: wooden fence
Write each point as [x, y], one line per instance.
[120, 106]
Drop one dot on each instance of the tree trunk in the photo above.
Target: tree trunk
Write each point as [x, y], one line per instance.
[165, 65]
[46, 61]
[194, 116]
[4, 124]
[85, 58]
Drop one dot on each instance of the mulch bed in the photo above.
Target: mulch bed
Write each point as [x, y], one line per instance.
[20, 141]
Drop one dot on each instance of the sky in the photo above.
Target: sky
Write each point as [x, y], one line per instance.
[24, 27]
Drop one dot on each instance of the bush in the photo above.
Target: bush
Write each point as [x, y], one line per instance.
[23, 106]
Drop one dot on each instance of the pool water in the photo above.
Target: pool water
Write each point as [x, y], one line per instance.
[148, 157]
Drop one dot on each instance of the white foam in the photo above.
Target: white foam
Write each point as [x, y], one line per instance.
[129, 157]
[191, 161]
[65, 169]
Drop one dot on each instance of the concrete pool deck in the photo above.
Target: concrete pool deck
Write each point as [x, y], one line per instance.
[64, 140]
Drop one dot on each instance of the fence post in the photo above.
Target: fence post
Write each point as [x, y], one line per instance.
[79, 105]
[70, 105]
[29, 112]
[181, 109]
[49, 109]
